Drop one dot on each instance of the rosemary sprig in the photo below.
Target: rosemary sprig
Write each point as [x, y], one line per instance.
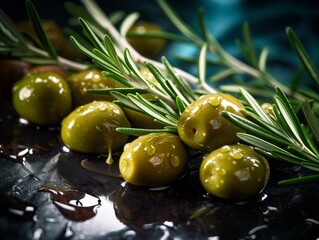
[281, 136]
[120, 41]
[172, 93]
[15, 45]
[255, 67]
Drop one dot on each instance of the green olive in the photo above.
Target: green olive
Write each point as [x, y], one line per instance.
[91, 128]
[234, 172]
[148, 46]
[89, 79]
[153, 160]
[202, 128]
[49, 68]
[43, 98]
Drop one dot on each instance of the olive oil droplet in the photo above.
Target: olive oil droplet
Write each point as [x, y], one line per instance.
[225, 149]
[237, 155]
[215, 101]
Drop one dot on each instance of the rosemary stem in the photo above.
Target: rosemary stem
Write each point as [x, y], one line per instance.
[60, 60]
[71, 64]
[273, 82]
[207, 87]
[239, 65]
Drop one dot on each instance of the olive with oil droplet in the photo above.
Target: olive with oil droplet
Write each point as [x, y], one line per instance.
[153, 160]
[42, 98]
[202, 128]
[234, 172]
[91, 128]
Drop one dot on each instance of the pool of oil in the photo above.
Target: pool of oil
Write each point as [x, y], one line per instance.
[46, 193]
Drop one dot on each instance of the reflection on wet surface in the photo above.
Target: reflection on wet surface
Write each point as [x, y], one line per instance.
[15, 207]
[73, 204]
[101, 167]
[46, 193]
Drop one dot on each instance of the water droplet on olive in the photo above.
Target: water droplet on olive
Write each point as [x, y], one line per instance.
[234, 172]
[225, 149]
[202, 128]
[215, 101]
[216, 123]
[236, 155]
[150, 150]
[155, 159]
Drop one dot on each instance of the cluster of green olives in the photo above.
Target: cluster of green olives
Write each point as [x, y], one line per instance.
[49, 95]
[88, 124]
[229, 170]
